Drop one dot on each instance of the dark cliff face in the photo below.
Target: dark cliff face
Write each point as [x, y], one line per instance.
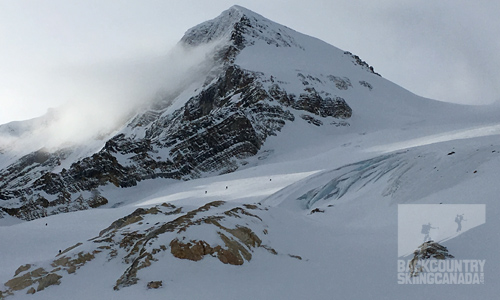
[228, 120]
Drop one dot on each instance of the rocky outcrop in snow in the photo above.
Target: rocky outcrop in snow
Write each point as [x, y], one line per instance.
[427, 250]
[230, 234]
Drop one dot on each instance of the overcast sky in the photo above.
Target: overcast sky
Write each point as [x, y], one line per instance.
[55, 51]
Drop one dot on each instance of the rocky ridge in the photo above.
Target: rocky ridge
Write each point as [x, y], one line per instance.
[217, 230]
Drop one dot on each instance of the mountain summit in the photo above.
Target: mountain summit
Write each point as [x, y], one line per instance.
[238, 28]
[242, 27]
[260, 76]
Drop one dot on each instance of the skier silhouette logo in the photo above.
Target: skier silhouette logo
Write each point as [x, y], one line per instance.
[458, 220]
[426, 230]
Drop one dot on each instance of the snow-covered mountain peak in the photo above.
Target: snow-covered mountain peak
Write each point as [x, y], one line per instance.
[241, 27]
[265, 79]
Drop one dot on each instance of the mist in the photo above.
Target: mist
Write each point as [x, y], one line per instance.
[100, 97]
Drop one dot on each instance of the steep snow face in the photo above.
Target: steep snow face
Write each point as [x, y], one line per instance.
[242, 27]
[270, 47]
[286, 62]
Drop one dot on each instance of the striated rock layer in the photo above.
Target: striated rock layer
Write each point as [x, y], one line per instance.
[208, 130]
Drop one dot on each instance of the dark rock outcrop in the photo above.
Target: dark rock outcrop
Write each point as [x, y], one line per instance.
[427, 250]
[155, 284]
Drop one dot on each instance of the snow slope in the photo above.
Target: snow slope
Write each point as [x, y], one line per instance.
[328, 195]
[349, 250]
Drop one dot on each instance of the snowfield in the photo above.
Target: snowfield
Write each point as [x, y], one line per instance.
[349, 251]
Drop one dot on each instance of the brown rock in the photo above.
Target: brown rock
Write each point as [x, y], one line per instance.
[246, 236]
[192, 251]
[71, 270]
[69, 249]
[228, 257]
[22, 269]
[19, 283]
[155, 284]
[48, 280]
[24, 281]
